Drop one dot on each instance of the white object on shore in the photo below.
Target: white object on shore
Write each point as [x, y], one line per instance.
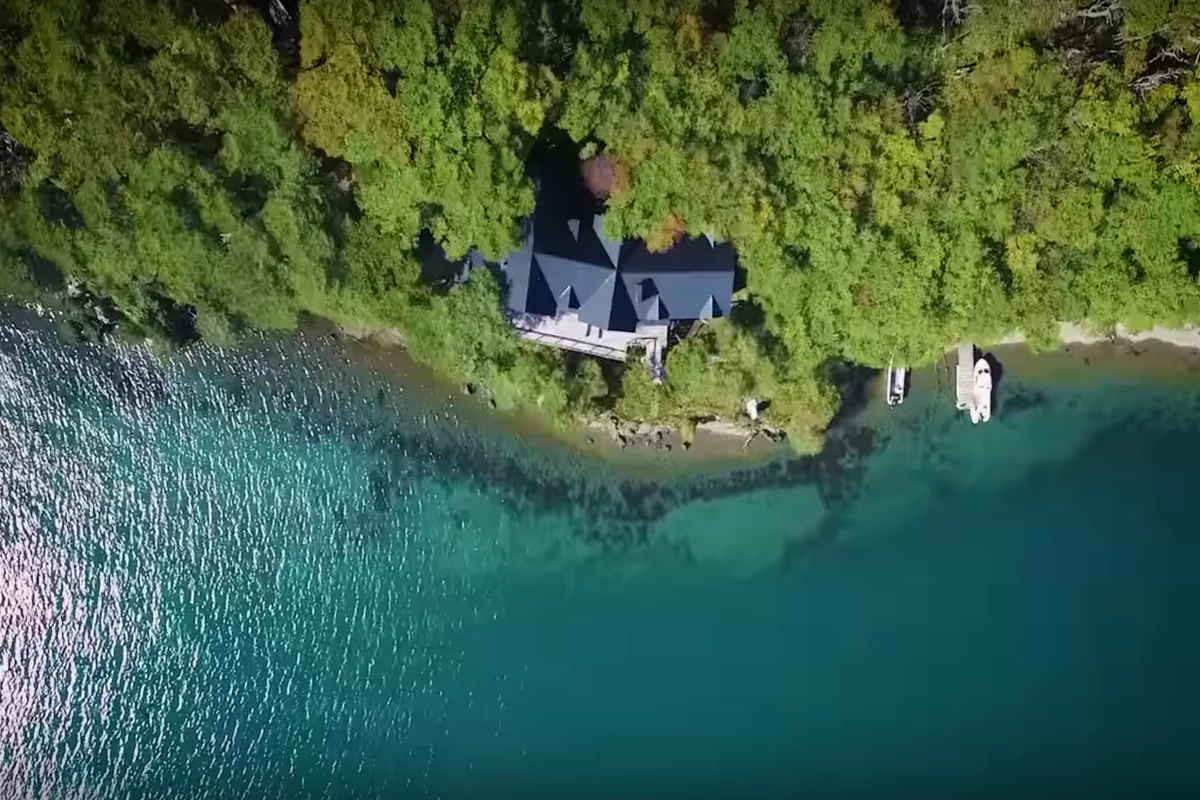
[752, 409]
[981, 409]
[897, 378]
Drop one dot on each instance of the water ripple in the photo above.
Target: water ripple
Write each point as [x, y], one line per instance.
[194, 596]
[253, 572]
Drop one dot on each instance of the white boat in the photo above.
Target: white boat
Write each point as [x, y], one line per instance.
[981, 409]
[897, 380]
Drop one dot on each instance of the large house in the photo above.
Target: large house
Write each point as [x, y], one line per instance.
[571, 286]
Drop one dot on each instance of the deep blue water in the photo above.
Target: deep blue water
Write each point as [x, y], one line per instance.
[263, 572]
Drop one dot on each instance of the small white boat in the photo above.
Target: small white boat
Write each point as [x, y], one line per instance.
[981, 409]
[897, 381]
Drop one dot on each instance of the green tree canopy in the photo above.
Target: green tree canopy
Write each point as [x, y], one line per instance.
[895, 176]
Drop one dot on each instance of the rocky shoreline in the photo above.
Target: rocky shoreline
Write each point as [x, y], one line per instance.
[628, 434]
[637, 434]
[740, 438]
[605, 434]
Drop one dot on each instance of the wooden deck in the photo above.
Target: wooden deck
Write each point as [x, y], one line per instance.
[567, 332]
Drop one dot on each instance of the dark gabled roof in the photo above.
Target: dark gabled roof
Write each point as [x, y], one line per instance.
[517, 268]
[701, 294]
[689, 254]
[569, 264]
[575, 238]
[692, 280]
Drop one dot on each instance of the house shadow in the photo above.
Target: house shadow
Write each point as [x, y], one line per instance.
[739, 277]
[437, 271]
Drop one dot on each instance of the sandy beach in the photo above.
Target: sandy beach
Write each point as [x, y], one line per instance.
[1157, 353]
[1075, 333]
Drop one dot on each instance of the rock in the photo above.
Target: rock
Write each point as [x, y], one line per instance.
[387, 337]
[492, 403]
[774, 434]
[687, 445]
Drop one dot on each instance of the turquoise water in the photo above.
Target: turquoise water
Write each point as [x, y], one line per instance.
[264, 572]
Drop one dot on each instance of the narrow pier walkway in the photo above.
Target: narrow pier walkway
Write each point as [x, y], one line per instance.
[964, 377]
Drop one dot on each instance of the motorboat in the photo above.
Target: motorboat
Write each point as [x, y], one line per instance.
[981, 409]
[897, 384]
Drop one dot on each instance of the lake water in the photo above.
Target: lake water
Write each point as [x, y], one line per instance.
[264, 572]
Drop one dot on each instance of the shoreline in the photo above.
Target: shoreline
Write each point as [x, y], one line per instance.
[659, 450]
[1155, 354]
[650, 450]
[1070, 333]
[1158, 353]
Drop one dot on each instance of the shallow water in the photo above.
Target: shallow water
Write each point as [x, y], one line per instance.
[265, 573]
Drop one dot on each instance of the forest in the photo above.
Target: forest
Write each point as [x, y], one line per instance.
[895, 176]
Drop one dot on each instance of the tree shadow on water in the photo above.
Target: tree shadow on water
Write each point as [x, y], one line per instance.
[853, 383]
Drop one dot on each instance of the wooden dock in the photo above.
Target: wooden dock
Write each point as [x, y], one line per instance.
[964, 377]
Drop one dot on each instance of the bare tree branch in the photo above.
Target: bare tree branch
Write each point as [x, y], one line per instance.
[1148, 83]
[1108, 10]
[953, 12]
[918, 102]
[956, 12]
